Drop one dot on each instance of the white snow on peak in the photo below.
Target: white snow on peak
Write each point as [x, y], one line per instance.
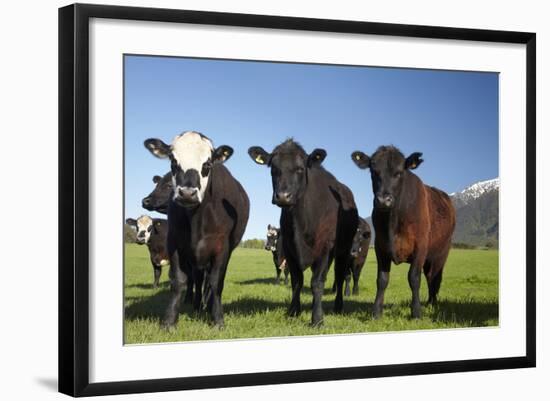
[474, 191]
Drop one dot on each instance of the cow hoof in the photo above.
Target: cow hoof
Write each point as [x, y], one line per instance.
[376, 314]
[317, 324]
[415, 313]
[169, 327]
[219, 325]
[294, 312]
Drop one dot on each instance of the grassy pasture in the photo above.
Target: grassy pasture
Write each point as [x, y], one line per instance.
[256, 307]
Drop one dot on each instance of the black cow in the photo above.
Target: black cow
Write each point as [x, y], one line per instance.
[274, 243]
[152, 232]
[158, 199]
[413, 223]
[318, 220]
[207, 216]
[359, 251]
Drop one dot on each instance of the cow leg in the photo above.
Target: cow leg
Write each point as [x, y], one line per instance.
[277, 275]
[318, 278]
[216, 279]
[433, 286]
[178, 281]
[157, 270]
[382, 280]
[356, 274]
[198, 277]
[286, 273]
[341, 268]
[414, 283]
[186, 267]
[347, 279]
[297, 282]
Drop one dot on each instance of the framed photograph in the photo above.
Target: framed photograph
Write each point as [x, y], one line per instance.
[251, 199]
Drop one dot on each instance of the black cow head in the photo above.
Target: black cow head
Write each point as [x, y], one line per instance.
[272, 237]
[158, 199]
[191, 156]
[361, 238]
[144, 226]
[387, 167]
[289, 165]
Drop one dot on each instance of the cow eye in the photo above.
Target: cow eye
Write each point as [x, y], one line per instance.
[206, 168]
[150, 228]
[174, 166]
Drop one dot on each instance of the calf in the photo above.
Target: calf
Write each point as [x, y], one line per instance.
[359, 251]
[207, 215]
[413, 223]
[152, 232]
[274, 243]
[158, 199]
[318, 220]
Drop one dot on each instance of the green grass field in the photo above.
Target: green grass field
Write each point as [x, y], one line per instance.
[256, 307]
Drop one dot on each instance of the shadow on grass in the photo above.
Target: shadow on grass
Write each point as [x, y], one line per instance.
[469, 313]
[143, 286]
[459, 313]
[259, 280]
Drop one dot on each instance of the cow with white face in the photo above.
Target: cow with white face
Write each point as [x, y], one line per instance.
[207, 216]
[153, 233]
[192, 156]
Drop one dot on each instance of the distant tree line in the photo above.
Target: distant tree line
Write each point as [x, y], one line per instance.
[490, 244]
[129, 234]
[253, 243]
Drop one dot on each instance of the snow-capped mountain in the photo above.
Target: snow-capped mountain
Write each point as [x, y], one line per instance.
[474, 191]
[477, 213]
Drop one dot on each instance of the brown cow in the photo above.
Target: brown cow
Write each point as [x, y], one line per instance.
[413, 223]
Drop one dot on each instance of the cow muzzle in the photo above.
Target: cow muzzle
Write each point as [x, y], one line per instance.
[147, 203]
[282, 199]
[384, 201]
[187, 196]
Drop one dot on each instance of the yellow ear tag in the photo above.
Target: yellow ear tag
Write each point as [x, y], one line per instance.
[226, 153]
[318, 157]
[259, 159]
[413, 165]
[357, 157]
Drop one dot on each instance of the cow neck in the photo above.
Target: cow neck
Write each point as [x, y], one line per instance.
[304, 217]
[406, 204]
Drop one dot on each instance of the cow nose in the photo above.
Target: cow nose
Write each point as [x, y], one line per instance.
[283, 198]
[188, 195]
[385, 199]
[186, 192]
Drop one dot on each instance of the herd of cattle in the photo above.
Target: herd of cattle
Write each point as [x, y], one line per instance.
[208, 211]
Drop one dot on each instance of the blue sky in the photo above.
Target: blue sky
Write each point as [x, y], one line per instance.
[452, 117]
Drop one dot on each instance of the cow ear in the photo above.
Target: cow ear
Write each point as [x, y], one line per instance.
[269, 226]
[316, 157]
[131, 222]
[222, 153]
[259, 155]
[360, 159]
[156, 179]
[413, 161]
[157, 148]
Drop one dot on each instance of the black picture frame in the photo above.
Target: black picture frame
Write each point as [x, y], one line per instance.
[74, 200]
